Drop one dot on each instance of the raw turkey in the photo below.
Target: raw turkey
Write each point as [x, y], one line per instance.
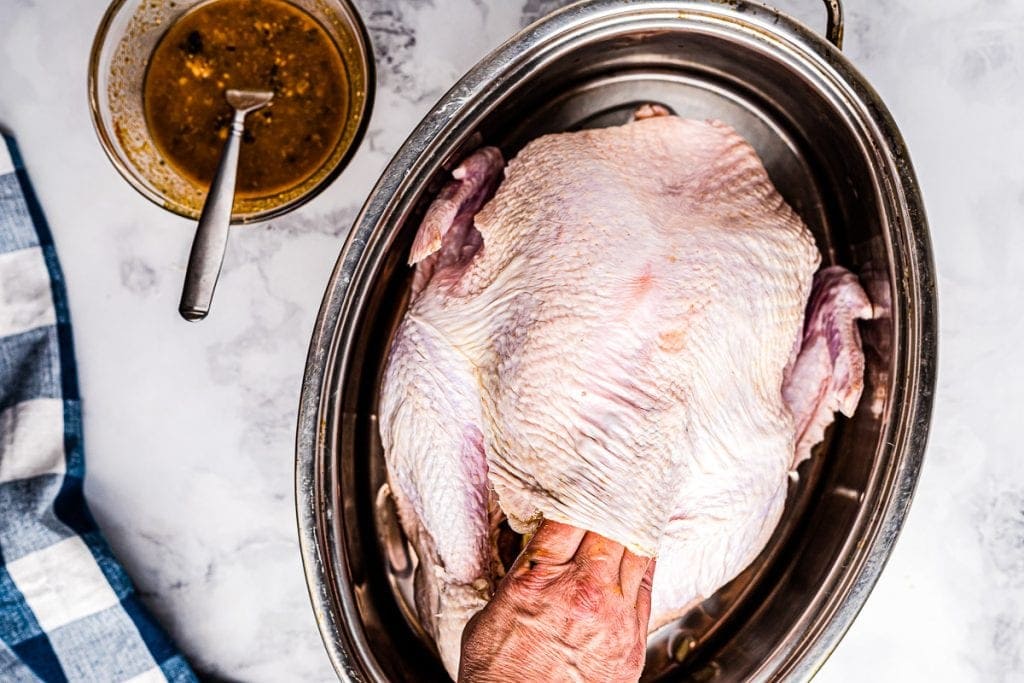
[630, 338]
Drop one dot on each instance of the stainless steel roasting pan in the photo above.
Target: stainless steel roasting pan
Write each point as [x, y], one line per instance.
[833, 151]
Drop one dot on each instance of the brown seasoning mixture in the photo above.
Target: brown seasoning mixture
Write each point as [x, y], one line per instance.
[254, 45]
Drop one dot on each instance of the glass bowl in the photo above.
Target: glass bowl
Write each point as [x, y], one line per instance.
[125, 40]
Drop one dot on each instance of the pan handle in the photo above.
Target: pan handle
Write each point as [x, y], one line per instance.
[834, 28]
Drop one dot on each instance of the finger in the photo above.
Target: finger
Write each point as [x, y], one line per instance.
[600, 557]
[643, 597]
[554, 543]
[631, 573]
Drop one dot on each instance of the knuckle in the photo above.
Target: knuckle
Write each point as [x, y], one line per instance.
[593, 564]
[588, 599]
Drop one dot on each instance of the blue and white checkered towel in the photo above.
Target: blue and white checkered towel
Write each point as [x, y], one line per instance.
[67, 609]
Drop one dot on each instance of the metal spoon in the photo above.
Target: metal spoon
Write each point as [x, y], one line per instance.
[212, 233]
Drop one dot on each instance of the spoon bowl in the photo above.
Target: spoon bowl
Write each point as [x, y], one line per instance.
[246, 101]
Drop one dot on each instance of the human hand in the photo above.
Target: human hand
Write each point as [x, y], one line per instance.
[573, 607]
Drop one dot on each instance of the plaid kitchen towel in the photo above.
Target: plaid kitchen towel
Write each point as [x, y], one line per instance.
[68, 612]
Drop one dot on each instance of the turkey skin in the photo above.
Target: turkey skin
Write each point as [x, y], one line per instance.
[625, 330]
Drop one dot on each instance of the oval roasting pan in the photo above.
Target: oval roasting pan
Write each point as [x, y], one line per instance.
[838, 158]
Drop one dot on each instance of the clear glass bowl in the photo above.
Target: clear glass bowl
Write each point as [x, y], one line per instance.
[126, 37]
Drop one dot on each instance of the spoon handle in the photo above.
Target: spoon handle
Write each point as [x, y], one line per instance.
[211, 238]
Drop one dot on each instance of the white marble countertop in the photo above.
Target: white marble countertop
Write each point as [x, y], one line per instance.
[189, 428]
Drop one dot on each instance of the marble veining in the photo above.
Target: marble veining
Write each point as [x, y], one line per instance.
[189, 428]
